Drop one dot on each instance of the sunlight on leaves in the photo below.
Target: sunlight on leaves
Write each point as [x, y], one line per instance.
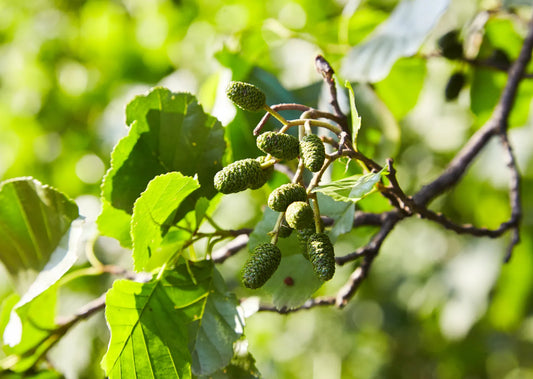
[352, 188]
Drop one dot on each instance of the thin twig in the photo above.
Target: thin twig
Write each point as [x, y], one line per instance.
[324, 68]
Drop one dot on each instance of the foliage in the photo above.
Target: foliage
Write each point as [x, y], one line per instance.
[408, 160]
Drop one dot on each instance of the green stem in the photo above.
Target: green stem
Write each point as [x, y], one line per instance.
[275, 231]
[89, 252]
[279, 117]
[213, 223]
[88, 271]
[316, 213]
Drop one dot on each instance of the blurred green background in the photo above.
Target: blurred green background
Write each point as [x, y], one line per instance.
[436, 305]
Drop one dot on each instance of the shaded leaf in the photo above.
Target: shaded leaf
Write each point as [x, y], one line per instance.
[241, 367]
[220, 326]
[288, 246]
[33, 219]
[341, 212]
[293, 283]
[352, 188]
[152, 210]
[401, 35]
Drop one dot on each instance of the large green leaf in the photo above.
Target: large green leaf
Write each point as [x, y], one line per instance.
[352, 188]
[169, 132]
[33, 219]
[151, 213]
[153, 325]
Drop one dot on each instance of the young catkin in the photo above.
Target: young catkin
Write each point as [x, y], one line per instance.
[246, 96]
[299, 215]
[321, 255]
[279, 145]
[239, 175]
[262, 263]
[303, 237]
[286, 194]
[266, 174]
[312, 152]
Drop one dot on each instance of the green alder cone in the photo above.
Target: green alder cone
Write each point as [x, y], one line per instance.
[263, 262]
[312, 152]
[246, 96]
[299, 215]
[321, 255]
[303, 237]
[284, 195]
[239, 175]
[266, 174]
[284, 231]
[279, 145]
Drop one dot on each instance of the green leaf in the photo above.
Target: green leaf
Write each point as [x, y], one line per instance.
[400, 89]
[200, 211]
[401, 35]
[352, 188]
[151, 213]
[219, 327]
[116, 223]
[380, 136]
[153, 324]
[33, 219]
[28, 334]
[241, 367]
[356, 119]
[169, 132]
[293, 283]
[261, 232]
[340, 211]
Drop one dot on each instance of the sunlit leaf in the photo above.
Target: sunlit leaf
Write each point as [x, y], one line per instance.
[401, 35]
[33, 219]
[356, 119]
[154, 324]
[400, 89]
[168, 132]
[352, 188]
[380, 135]
[28, 335]
[152, 210]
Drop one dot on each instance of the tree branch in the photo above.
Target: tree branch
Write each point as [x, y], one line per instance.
[497, 122]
